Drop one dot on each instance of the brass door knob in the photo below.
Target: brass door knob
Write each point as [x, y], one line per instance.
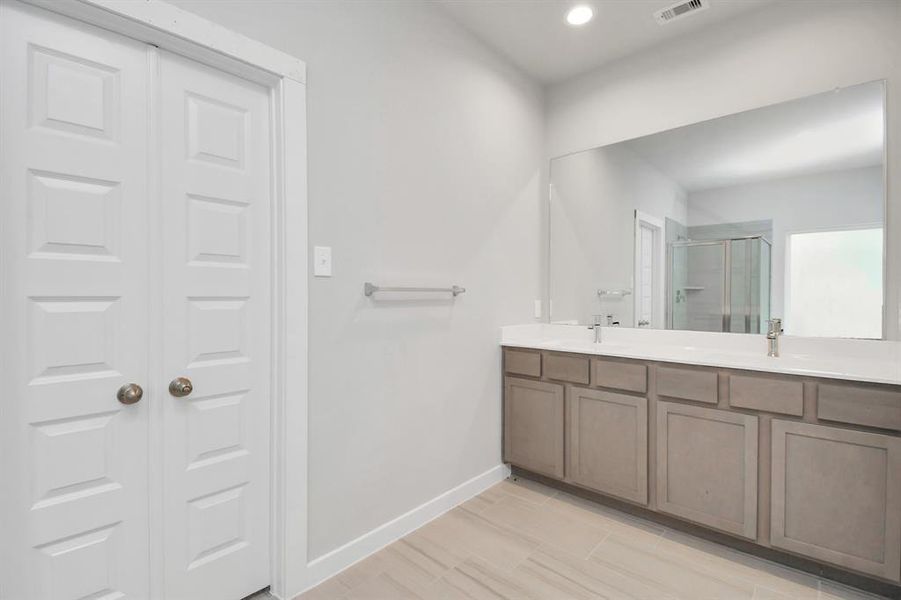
[181, 387]
[130, 393]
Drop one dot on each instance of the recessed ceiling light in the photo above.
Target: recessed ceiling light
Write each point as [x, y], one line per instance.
[579, 15]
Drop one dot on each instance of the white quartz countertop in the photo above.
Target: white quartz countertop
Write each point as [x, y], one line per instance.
[856, 360]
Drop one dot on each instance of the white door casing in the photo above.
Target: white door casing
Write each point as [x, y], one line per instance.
[644, 274]
[74, 303]
[215, 195]
[77, 211]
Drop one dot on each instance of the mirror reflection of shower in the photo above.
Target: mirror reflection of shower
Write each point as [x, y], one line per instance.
[719, 284]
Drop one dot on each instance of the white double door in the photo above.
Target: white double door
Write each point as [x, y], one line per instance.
[134, 249]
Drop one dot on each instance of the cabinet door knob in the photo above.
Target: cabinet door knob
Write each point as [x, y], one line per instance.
[130, 393]
[181, 387]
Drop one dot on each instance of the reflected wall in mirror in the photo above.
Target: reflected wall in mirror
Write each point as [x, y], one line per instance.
[721, 225]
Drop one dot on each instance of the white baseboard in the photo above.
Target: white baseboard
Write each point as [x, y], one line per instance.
[341, 558]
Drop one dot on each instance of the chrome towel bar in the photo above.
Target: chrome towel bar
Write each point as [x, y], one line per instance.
[370, 288]
[616, 293]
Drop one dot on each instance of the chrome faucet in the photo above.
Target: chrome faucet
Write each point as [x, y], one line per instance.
[597, 327]
[774, 330]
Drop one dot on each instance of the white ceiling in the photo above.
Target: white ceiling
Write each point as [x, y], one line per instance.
[843, 129]
[535, 36]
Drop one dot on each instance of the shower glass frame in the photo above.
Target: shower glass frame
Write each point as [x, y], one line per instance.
[727, 278]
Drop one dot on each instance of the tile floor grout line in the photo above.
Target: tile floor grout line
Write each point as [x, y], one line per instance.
[598, 545]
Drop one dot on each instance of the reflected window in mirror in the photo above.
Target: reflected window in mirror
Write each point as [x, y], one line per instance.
[834, 283]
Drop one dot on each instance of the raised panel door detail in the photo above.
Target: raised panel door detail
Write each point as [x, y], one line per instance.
[72, 337]
[74, 94]
[533, 425]
[216, 131]
[217, 231]
[73, 217]
[608, 442]
[707, 467]
[216, 330]
[216, 526]
[58, 479]
[74, 509]
[836, 496]
[80, 566]
[215, 429]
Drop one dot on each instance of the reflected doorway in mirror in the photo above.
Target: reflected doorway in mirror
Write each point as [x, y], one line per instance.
[650, 254]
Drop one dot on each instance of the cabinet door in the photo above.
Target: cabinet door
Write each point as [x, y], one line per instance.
[837, 496]
[707, 467]
[533, 425]
[608, 443]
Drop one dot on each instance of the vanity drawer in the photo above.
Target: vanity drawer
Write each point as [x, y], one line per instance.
[566, 368]
[619, 375]
[522, 362]
[783, 396]
[859, 405]
[687, 384]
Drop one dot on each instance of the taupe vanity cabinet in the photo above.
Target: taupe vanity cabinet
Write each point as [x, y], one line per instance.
[533, 425]
[707, 467]
[836, 496]
[608, 442]
[803, 466]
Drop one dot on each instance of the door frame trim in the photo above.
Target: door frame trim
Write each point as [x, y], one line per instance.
[170, 28]
[658, 309]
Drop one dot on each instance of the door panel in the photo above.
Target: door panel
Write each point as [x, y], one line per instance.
[215, 207]
[533, 425]
[707, 467]
[608, 442]
[852, 517]
[73, 242]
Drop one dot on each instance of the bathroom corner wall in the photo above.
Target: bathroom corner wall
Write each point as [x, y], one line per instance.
[425, 168]
[780, 52]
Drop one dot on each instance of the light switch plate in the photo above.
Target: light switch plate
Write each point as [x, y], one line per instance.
[322, 261]
[538, 309]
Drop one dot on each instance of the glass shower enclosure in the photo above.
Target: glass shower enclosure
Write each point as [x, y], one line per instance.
[719, 285]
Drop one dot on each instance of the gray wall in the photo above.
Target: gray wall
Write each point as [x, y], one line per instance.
[594, 195]
[425, 167]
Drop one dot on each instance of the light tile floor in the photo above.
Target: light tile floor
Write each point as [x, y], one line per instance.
[522, 540]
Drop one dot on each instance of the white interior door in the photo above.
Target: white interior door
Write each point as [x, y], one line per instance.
[649, 283]
[91, 263]
[645, 276]
[73, 244]
[215, 205]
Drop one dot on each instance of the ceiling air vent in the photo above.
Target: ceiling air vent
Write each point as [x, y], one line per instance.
[679, 10]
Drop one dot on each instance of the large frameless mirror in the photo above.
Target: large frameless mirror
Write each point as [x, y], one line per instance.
[724, 224]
